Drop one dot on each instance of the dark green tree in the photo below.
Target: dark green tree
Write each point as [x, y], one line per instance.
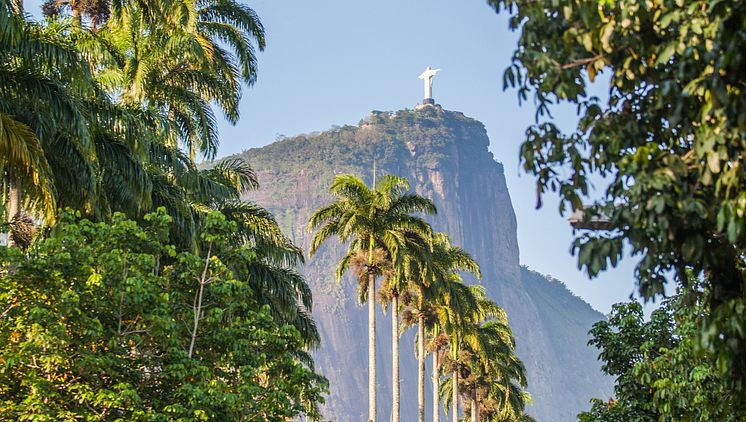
[660, 373]
[665, 149]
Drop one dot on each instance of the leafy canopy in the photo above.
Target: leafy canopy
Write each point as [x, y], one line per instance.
[97, 320]
[668, 143]
[659, 374]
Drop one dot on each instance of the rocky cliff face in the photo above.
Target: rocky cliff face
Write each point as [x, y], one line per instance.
[444, 154]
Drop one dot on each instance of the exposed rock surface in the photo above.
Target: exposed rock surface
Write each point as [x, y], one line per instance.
[444, 154]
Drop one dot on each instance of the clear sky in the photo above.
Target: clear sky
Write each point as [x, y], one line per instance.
[332, 62]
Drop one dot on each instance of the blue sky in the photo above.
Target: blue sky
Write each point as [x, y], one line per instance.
[332, 62]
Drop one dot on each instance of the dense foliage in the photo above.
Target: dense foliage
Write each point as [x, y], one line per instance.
[105, 320]
[94, 111]
[665, 150]
[659, 375]
[109, 322]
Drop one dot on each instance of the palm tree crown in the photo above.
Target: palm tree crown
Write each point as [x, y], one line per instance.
[377, 223]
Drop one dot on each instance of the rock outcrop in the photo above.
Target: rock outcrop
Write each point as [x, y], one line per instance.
[445, 156]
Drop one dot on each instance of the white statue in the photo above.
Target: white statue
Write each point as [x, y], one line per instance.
[427, 76]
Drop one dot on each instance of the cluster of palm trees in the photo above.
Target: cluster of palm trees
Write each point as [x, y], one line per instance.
[105, 107]
[466, 334]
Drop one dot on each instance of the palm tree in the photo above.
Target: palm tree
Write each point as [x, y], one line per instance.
[64, 142]
[492, 365]
[460, 319]
[41, 82]
[407, 271]
[375, 222]
[272, 274]
[96, 11]
[485, 368]
[453, 299]
[165, 62]
[179, 57]
[427, 270]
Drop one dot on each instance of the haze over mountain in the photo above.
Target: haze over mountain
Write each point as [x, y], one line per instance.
[445, 156]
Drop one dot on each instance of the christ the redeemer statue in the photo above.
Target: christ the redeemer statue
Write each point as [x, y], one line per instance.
[427, 77]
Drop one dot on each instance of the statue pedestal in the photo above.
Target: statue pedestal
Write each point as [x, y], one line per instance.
[426, 104]
[428, 101]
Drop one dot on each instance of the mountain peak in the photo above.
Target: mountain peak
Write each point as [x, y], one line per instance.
[445, 156]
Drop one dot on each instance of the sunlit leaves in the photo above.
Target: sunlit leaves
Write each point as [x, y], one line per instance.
[661, 374]
[95, 325]
[668, 143]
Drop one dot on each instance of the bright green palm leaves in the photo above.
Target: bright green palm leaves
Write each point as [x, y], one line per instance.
[24, 159]
[272, 274]
[380, 218]
[92, 115]
[180, 58]
[377, 224]
[88, 151]
[174, 60]
[493, 376]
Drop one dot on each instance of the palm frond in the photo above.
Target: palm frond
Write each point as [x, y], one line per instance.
[22, 156]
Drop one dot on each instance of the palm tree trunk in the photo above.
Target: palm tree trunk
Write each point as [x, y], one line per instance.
[421, 367]
[77, 20]
[396, 402]
[474, 408]
[454, 406]
[436, 388]
[14, 203]
[372, 347]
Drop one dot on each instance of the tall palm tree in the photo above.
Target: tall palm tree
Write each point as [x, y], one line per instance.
[427, 270]
[272, 274]
[179, 57]
[460, 321]
[453, 299]
[491, 362]
[65, 142]
[41, 82]
[410, 272]
[485, 368]
[371, 219]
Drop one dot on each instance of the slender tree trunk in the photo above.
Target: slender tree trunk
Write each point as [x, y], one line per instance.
[14, 204]
[421, 367]
[454, 399]
[77, 20]
[197, 306]
[372, 347]
[507, 400]
[396, 402]
[474, 406]
[436, 388]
